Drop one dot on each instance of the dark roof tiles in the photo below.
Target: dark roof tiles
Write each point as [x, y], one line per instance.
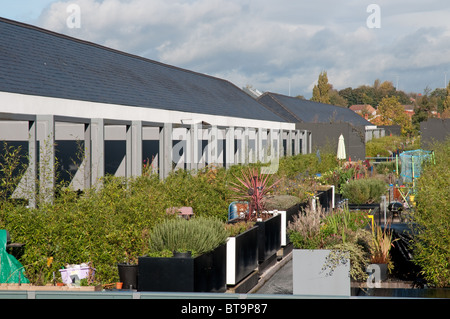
[35, 61]
[299, 110]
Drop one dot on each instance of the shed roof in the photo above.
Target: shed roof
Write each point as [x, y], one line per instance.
[36, 61]
[296, 110]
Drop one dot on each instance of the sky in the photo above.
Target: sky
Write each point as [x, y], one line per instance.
[278, 46]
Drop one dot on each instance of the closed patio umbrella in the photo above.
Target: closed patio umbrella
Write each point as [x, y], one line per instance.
[341, 148]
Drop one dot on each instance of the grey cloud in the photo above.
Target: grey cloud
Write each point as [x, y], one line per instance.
[268, 44]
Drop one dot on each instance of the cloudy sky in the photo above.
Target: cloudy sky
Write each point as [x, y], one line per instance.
[279, 46]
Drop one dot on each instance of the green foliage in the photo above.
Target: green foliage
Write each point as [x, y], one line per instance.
[103, 226]
[207, 191]
[432, 217]
[306, 165]
[386, 145]
[321, 90]
[234, 229]
[11, 170]
[198, 235]
[364, 191]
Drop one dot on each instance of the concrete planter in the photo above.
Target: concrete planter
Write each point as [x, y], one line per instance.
[313, 277]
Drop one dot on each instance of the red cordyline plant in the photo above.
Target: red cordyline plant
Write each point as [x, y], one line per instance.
[252, 187]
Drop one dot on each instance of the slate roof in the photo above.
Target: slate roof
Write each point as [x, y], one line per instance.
[295, 110]
[39, 62]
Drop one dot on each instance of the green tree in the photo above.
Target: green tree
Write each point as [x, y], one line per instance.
[391, 112]
[321, 89]
[422, 111]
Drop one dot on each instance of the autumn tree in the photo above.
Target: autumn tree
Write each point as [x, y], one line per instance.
[391, 112]
[321, 89]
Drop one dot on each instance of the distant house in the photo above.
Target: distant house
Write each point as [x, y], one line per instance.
[365, 110]
[409, 110]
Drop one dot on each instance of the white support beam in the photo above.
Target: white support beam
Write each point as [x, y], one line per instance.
[98, 150]
[213, 145]
[259, 145]
[193, 147]
[46, 136]
[32, 164]
[87, 168]
[280, 144]
[229, 161]
[297, 142]
[165, 150]
[289, 143]
[136, 148]
[245, 146]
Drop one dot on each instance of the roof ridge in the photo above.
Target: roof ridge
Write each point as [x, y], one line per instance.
[271, 95]
[99, 46]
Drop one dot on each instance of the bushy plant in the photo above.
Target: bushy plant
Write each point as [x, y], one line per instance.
[307, 164]
[198, 235]
[239, 227]
[364, 191]
[341, 230]
[206, 191]
[105, 226]
[432, 218]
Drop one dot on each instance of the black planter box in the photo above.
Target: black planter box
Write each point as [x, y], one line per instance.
[326, 199]
[242, 255]
[375, 208]
[269, 237]
[204, 273]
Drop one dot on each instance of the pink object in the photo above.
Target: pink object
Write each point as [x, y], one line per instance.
[72, 274]
[186, 212]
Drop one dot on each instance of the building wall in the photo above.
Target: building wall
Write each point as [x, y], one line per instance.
[325, 137]
[434, 130]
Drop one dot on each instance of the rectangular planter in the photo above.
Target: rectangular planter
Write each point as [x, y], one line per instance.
[311, 276]
[242, 255]
[204, 273]
[269, 237]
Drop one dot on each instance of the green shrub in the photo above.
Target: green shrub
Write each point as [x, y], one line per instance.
[364, 191]
[198, 235]
[306, 164]
[432, 217]
[342, 230]
[104, 226]
[384, 145]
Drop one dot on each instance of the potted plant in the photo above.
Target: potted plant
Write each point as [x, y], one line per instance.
[128, 272]
[242, 251]
[253, 187]
[329, 249]
[380, 257]
[203, 270]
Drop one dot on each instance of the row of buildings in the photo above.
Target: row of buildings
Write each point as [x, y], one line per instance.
[62, 97]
